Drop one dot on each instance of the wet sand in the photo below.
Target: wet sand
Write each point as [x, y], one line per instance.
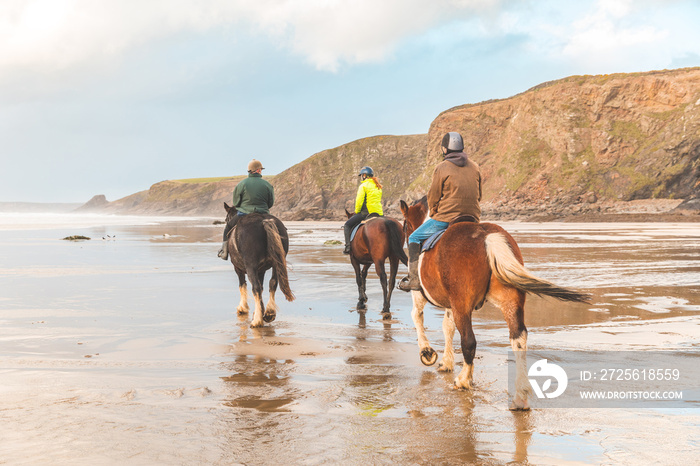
[128, 350]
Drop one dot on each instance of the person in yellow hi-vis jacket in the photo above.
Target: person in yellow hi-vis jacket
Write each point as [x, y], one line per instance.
[368, 202]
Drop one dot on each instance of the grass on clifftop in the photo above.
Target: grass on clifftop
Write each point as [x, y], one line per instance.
[204, 180]
[215, 179]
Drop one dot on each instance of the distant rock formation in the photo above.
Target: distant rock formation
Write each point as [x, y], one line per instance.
[97, 203]
[179, 198]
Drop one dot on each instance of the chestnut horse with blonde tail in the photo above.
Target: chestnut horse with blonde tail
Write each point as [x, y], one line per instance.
[473, 263]
[257, 243]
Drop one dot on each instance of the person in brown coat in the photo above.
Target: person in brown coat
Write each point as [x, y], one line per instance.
[455, 191]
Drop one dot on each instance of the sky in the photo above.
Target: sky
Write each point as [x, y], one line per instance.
[111, 96]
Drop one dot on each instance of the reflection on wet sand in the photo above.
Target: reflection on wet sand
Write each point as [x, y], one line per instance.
[523, 424]
[363, 394]
[257, 384]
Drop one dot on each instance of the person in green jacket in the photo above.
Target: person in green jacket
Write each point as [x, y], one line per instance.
[368, 202]
[251, 195]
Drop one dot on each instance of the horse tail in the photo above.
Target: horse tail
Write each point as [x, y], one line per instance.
[510, 271]
[279, 259]
[395, 241]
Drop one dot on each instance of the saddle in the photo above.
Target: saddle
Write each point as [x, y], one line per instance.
[369, 218]
[430, 243]
[463, 218]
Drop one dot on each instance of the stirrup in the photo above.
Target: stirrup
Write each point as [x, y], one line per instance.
[223, 254]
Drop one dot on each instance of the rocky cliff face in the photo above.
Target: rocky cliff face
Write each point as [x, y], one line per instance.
[582, 140]
[181, 198]
[320, 187]
[323, 185]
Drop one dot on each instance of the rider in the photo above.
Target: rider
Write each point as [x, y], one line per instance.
[369, 201]
[455, 191]
[252, 194]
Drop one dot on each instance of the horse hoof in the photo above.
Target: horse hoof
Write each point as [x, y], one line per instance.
[461, 385]
[241, 310]
[386, 315]
[428, 357]
[443, 368]
[518, 404]
[269, 317]
[361, 306]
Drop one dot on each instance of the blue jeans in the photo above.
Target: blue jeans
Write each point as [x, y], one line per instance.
[425, 231]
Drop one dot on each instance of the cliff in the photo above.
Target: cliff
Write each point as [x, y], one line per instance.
[611, 145]
[193, 197]
[583, 141]
[323, 185]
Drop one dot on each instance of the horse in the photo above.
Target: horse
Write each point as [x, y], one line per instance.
[257, 243]
[473, 263]
[376, 240]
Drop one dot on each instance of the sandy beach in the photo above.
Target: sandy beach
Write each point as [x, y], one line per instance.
[126, 349]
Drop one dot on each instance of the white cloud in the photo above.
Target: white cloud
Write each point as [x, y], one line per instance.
[327, 33]
[602, 34]
[44, 36]
[330, 33]
[60, 33]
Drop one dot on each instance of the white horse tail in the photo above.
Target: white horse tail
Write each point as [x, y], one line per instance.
[510, 271]
[279, 258]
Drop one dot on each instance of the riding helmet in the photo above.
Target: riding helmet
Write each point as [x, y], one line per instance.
[255, 165]
[366, 171]
[453, 142]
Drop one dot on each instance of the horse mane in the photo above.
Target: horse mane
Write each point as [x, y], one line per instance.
[423, 204]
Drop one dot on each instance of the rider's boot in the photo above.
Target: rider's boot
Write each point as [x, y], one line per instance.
[347, 232]
[412, 281]
[223, 252]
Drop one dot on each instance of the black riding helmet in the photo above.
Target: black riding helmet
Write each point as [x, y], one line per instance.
[366, 171]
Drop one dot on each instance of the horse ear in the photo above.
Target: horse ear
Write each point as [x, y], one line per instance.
[227, 207]
[348, 213]
[404, 208]
[424, 201]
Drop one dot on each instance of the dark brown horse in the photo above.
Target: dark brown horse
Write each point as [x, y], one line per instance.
[473, 263]
[375, 241]
[257, 243]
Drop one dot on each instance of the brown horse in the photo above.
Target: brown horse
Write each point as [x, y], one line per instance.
[257, 243]
[473, 263]
[375, 241]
